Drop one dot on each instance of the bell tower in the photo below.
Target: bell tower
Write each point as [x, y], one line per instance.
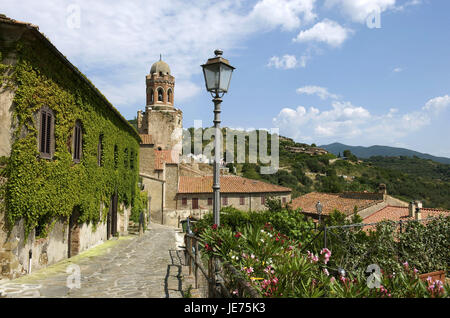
[161, 120]
[160, 86]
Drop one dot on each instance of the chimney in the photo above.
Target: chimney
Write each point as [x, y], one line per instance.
[418, 212]
[411, 209]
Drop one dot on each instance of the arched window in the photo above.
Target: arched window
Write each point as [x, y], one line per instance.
[46, 140]
[77, 142]
[152, 96]
[160, 94]
[169, 96]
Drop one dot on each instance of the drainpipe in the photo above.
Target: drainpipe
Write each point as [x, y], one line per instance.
[30, 258]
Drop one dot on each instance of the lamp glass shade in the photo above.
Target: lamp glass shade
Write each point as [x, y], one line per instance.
[217, 76]
[225, 77]
[212, 76]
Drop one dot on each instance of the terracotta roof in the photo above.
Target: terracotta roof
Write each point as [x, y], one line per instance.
[164, 156]
[146, 139]
[331, 201]
[228, 184]
[396, 213]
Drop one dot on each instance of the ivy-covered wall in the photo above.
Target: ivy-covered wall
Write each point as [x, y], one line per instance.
[40, 191]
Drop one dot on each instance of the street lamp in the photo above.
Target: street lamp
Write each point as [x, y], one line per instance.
[319, 209]
[217, 72]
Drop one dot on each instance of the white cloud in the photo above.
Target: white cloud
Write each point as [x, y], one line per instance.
[360, 10]
[285, 62]
[397, 70]
[327, 31]
[289, 14]
[437, 104]
[344, 121]
[118, 41]
[322, 92]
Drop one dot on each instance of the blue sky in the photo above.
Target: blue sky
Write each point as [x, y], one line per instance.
[319, 70]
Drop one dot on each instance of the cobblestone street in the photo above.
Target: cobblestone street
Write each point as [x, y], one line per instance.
[131, 266]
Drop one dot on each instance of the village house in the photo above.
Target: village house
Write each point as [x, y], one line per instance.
[372, 207]
[69, 160]
[364, 203]
[179, 188]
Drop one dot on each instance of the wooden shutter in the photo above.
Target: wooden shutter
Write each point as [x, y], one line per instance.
[242, 200]
[183, 201]
[210, 201]
[194, 203]
[45, 133]
[77, 145]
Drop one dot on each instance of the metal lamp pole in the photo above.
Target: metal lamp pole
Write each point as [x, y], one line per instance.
[217, 72]
[217, 141]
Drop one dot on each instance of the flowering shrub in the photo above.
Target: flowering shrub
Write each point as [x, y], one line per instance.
[277, 266]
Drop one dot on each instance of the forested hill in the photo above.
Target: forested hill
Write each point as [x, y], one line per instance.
[385, 151]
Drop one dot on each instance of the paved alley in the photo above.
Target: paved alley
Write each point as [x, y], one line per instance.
[131, 266]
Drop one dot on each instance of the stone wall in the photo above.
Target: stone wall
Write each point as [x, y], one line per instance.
[252, 202]
[6, 110]
[161, 125]
[155, 190]
[171, 177]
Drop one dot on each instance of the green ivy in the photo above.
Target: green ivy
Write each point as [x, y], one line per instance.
[39, 191]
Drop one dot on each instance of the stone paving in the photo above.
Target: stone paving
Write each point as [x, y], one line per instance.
[150, 265]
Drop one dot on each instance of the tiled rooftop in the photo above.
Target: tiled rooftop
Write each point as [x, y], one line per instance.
[395, 213]
[228, 184]
[146, 139]
[331, 201]
[164, 156]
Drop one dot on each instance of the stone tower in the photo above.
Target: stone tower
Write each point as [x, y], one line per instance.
[161, 120]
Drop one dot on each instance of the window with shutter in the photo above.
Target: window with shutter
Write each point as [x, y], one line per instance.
[224, 200]
[242, 200]
[194, 203]
[46, 133]
[77, 142]
[183, 201]
[210, 201]
[125, 158]
[116, 157]
[100, 151]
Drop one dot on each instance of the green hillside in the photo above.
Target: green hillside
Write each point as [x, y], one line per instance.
[406, 178]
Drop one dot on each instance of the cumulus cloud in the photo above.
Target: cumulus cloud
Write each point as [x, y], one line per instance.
[285, 62]
[437, 104]
[118, 41]
[322, 92]
[360, 10]
[326, 31]
[345, 121]
[289, 14]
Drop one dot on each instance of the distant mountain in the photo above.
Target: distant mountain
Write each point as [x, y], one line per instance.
[385, 151]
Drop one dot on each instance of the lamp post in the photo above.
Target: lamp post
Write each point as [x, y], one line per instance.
[217, 72]
[319, 210]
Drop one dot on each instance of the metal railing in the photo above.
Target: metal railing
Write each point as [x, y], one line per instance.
[219, 275]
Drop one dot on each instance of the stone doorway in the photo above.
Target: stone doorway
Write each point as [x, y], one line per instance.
[111, 225]
[74, 233]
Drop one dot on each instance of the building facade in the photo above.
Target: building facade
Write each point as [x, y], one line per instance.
[69, 160]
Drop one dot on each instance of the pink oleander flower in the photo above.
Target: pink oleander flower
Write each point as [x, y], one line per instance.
[326, 272]
[275, 280]
[416, 270]
[290, 248]
[249, 270]
[214, 226]
[332, 279]
[252, 256]
[405, 264]
[238, 235]
[235, 292]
